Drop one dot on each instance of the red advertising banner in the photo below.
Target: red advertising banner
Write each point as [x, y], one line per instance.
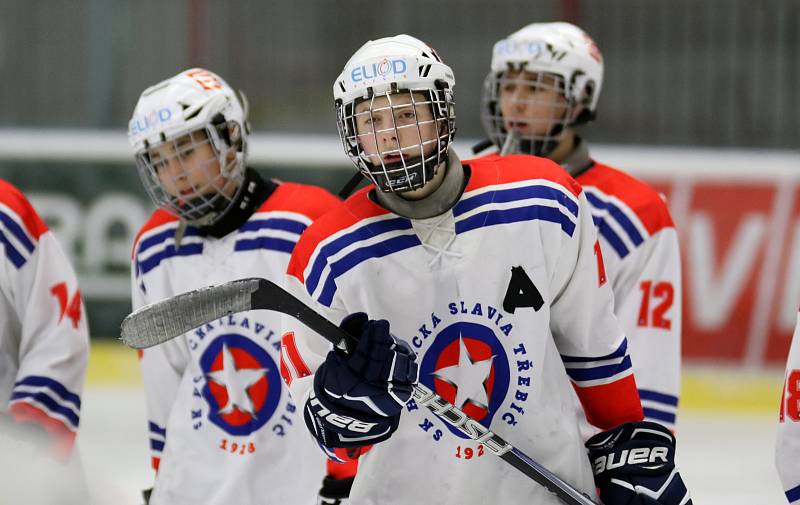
[740, 253]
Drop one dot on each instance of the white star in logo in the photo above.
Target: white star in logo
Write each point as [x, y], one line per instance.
[467, 377]
[236, 383]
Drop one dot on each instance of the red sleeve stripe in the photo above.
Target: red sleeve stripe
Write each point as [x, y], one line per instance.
[609, 405]
[61, 436]
[292, 364]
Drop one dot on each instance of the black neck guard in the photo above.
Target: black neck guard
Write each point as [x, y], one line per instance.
[253, 192]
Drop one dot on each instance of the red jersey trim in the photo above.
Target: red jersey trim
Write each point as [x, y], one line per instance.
[518, 167]
[609, 405]
[13, 198]
[310, 201]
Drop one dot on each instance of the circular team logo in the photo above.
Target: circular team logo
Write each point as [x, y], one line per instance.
[243, 384]
[467, 366]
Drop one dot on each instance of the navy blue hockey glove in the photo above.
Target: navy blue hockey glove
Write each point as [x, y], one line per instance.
[634, 464]
[357, 398]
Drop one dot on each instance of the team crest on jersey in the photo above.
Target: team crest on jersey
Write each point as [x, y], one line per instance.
[467, 366]
[243, 384]
[472, 358]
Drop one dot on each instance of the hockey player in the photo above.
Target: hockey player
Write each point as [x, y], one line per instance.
[489, 274]
[223, 428]
[787, 447]
[44, 347]
[545, 80]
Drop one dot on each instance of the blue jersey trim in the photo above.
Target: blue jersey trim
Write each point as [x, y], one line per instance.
[360, 255]
[515, 194]
[359, 234]
[507, 216]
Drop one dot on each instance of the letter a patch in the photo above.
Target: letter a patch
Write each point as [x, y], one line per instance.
[521, 292]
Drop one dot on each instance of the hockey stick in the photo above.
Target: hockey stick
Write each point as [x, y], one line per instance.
[162, 321]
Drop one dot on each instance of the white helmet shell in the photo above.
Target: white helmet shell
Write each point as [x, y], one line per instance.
[556, 48]
[181, 104]
[402, 61]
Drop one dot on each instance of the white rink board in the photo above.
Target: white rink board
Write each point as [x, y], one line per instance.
[725, 458]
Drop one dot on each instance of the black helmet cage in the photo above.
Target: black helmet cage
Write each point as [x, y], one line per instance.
[204, 203]
[412, 171]
[535, 144]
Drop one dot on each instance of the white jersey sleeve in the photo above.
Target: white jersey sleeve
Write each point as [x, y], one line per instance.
[162, 369]
[43, 331]
[592, 345]
[787, 447]
[647, 291]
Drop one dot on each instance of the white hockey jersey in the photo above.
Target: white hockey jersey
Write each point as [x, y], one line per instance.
[44, 342]
[642, 259]
[504, 302]
[787, 447]
[223, 428]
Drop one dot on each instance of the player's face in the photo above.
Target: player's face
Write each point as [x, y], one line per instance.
[531, 102]
[187, 166]
[391, 126]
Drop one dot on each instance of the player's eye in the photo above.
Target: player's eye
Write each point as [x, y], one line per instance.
[509, 87]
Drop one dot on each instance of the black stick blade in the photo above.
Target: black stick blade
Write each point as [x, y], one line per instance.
[164, 320]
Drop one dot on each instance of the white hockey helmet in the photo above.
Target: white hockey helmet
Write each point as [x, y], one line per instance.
[172, 119]
[399, 69]
[564, 53]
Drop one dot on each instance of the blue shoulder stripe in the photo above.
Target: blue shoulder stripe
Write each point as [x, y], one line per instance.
[12, 254]
[165, 235]
[611, 236]
[168, 252]
[618, 215]
[515, 215]
[515, 194]
[274, 223]
[17, 231]
[360, 255]
[362, 233]
[269, 243]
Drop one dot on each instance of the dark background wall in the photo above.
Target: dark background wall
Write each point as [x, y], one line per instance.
[687, 72]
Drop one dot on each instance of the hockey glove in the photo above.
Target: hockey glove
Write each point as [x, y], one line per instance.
[334, 491]
[634, 464]
[357, 398]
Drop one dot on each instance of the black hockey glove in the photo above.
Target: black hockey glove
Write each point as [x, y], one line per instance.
[634, 464]
[334, 491]
[357, 399]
